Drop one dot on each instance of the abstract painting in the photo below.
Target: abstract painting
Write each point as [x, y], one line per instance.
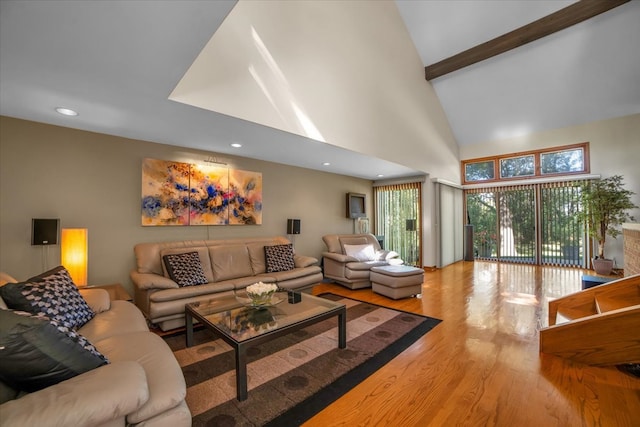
[175, 193]
[209, 195]
[245, 197]
[165, 192]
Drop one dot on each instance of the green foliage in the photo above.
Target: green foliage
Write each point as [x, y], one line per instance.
[562, 161]
[479, 171]
[517, 166]
[606, 204]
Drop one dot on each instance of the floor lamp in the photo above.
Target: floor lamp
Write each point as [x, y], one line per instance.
[74, 248]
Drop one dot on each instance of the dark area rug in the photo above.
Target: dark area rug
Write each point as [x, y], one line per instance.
[293, 377]
[632, 369]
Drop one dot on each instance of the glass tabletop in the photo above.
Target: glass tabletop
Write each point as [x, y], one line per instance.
[236, 318]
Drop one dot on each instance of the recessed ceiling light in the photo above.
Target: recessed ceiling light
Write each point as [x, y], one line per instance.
[236, 145]
[66, 111]
[326, 164]
[380, 175]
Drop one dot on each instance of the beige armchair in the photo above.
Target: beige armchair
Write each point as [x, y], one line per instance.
[349, 258]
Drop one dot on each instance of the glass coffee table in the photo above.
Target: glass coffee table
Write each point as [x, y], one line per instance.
[241, 325]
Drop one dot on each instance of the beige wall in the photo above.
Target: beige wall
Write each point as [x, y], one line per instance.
[93, 180]
[614, 147]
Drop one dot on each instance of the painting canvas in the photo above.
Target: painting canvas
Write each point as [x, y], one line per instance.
[209, 196]
[245, 197]
[175, 193]
[165, 192]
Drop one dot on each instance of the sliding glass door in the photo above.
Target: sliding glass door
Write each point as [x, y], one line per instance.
[563, 237]
[530, 224]
[517, 225]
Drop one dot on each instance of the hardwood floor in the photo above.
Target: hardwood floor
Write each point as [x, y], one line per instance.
[481, 365]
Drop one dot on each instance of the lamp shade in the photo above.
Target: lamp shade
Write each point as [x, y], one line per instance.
[74, 248]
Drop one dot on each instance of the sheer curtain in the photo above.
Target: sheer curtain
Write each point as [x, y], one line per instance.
[399, 219]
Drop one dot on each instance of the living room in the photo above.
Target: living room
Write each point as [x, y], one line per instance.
[53, 168]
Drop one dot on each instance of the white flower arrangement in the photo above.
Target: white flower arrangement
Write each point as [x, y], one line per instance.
[260, 288]
[260, 293]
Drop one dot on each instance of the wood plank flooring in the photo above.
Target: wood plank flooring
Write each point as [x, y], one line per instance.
[481, 365]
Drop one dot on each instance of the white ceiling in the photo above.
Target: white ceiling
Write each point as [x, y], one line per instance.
[116, 62]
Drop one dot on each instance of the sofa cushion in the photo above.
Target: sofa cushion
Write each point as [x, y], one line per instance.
[122, 318]
[185, 269]
[52, 294]
[256, 254]
[167, 388]
[230, 262]
[36, 353]
[279, 258]
[282, 276]
[360, 252]
[100, 397]
[97, 298]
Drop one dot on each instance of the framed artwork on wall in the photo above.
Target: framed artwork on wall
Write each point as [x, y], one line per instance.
[175, 193]
[165, 192]
[245, 197]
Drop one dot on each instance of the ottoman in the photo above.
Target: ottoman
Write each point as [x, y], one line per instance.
[397, 281]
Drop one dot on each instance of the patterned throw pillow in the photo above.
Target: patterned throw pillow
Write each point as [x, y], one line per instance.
[185, 269]
[36, 353]
[279, 258]
[52, 294]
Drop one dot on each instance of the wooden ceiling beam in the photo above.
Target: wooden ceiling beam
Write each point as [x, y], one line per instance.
[563, 18]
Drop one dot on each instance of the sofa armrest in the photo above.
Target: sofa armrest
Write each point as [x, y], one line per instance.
[339, 257]
[98, 299]
[93, 398]
[301, 261]
[152, 281]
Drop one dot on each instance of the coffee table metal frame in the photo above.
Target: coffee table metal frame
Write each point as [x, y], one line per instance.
[240, 347]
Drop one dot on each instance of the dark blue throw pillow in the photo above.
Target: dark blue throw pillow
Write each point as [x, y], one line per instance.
[52, 294]
[185, 269]
[36, 353]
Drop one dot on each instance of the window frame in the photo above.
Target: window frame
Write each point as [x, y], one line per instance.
[537, 165]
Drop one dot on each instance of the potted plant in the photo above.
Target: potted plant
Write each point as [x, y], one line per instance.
[605, 204]
[484, 243]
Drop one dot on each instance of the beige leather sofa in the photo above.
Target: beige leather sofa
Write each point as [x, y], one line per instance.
[228, 265]
[142, 385]
[350, 257]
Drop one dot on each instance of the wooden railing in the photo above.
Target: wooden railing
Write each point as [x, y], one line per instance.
[596, 326]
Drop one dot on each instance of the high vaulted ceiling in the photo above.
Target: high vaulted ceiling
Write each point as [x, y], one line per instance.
[117, 62]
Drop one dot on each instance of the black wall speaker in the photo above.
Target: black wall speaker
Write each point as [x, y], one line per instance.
[44, 231]
[411, 225]
[293, 226]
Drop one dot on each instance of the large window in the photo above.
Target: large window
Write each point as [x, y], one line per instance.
[566, 160]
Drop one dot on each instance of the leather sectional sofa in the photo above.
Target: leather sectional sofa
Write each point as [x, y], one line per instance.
[142, 384]
[205, 268]
[350, 257]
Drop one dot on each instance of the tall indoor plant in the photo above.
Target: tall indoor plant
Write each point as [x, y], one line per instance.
[605, 206]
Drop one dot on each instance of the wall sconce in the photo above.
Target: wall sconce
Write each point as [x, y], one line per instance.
[74, 256]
